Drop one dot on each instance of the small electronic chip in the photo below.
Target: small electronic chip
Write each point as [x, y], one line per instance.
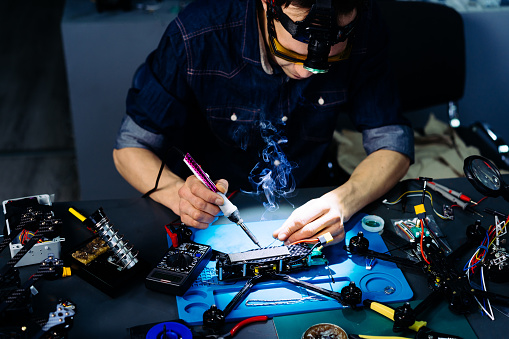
[91, 251]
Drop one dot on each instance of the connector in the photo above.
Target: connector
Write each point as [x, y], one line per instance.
[420, 211]
[325, 239]
[66, 272]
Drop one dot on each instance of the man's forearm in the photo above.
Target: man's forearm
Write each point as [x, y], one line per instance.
[140, 167]
[372, 178]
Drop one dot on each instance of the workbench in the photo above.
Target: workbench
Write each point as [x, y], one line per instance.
[142, 221]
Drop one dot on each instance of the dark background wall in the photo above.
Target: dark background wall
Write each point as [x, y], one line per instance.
[36, 138]
[61, 102]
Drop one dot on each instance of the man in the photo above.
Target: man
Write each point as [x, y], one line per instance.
[251, 88]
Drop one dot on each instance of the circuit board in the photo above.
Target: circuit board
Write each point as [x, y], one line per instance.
[277, 259]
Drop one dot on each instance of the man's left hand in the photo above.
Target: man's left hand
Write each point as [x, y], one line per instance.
[313, 219]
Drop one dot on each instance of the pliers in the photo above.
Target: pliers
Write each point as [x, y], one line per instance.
[237, 327]
[423, 332]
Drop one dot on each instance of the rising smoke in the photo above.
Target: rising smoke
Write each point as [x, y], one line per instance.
[272, 176]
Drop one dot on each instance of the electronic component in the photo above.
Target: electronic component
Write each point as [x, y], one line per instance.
[448, 212]
[90, 251]
[267, 260]
[60, 321]
[24, 217]
[125, 258]
[497, 265]
[105, 260]
[490, 253]
[178, 268]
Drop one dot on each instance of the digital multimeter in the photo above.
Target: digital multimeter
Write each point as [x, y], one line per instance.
[178, 268]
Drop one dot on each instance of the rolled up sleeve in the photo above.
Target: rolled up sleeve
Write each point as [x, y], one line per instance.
[399, 138]
[132, 135]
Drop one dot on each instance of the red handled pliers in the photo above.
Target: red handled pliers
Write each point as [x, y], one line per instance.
[237, 327]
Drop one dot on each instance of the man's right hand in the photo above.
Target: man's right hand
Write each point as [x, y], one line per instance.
[199, 206]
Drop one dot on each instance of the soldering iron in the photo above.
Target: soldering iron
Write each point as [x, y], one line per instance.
[229, 210]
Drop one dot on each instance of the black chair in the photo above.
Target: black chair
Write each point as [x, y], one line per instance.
[427, 52]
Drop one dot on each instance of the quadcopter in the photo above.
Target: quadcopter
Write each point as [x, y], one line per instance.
[445, 280]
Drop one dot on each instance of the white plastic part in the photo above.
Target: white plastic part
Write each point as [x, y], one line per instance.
[227, 207]
[373, 223]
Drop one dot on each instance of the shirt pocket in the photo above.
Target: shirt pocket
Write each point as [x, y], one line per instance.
[233, 125]
[318, 113]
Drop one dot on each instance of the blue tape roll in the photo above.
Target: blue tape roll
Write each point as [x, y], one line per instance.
[171, 329]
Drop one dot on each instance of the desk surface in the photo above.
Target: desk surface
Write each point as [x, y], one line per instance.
[142, 220]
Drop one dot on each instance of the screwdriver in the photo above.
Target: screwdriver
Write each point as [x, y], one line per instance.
[229, 210]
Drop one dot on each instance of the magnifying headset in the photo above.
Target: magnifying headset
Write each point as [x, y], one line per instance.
[319, 30]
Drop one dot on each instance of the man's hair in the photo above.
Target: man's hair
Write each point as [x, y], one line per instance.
[341, 6]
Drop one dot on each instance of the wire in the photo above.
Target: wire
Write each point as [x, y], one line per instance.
[304, 241]
[477, 203]
[403, 227]
[417, 194]
[422, 237]
[483, 286]
[305, 255]
[400, 197]
[232, 194]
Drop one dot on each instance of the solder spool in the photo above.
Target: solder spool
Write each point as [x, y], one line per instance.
[169, 330]
[125, 257]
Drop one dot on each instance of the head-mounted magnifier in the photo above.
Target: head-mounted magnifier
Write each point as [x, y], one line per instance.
[319, 30]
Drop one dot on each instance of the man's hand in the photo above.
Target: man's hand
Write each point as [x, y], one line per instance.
[198, 205]
[316, 217]
[372, 178]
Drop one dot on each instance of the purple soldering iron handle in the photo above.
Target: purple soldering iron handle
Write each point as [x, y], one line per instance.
[199, 173]
[229, 210]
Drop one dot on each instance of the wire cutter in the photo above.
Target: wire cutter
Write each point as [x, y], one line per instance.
[237, 327]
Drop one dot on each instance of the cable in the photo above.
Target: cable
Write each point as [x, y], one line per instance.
[477, 203]
[305, 255]
[417, 194]
[422, 237]
[304, 241]
[478, 257]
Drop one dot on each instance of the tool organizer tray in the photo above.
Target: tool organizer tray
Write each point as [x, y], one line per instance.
[384, 282]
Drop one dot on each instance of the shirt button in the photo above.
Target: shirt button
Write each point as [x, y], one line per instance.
[321, 101]
[284, 118]
[233, 117]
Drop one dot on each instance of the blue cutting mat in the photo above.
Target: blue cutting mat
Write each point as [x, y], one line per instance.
[384, 282]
